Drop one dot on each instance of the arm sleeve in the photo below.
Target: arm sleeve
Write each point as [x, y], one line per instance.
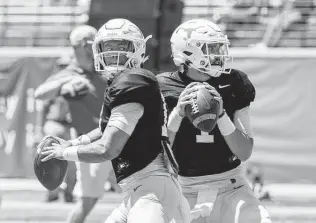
[125, 117]
[242, 121]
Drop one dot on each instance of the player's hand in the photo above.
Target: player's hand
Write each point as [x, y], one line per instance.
[78, 85]
[55, 151]
[216, 96]
[68, 89]
[185, 97]
[60, 140]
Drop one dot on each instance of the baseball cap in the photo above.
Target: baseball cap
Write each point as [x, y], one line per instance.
[83, 32]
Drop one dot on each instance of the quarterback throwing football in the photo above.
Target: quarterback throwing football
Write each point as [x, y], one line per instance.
[132, 121]
[210, 162]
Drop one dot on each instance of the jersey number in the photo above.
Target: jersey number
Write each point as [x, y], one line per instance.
[205, 137]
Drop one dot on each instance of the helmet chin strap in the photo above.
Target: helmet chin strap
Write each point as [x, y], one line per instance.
[110, 72]
[215, 72]
[209, 72]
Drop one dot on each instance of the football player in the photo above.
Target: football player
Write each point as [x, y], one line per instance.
[83, 88]
[56, 120]
[132, 121]
[210, 162]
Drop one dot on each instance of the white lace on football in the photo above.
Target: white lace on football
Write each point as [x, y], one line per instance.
[194, 106]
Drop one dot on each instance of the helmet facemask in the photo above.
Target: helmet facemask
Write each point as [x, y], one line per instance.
[209, 57]
[200, 45]
[115, 55]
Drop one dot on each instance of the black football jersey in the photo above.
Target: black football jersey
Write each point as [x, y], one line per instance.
[205, 153]
[140, 86]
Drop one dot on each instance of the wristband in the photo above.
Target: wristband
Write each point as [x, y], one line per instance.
[174, 121]
[71, 153]
[225, 125]
[223, 113]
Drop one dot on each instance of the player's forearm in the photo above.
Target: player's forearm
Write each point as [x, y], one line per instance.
[95, 134]
[88, 138]
[96, 152]
[50, 89]
[173, 125]
[239, 143]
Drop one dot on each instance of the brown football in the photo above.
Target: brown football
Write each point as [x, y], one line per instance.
[203, 111]
[52, 172]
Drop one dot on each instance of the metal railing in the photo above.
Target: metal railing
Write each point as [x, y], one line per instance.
[49, 22]
[283, 23]
[38, 22]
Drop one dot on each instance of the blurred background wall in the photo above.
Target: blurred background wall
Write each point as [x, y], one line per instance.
[273, 41]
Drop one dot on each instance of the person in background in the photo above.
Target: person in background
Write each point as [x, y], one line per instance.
[58, 123]
[293, 15]
[254, 175]
[83, 88]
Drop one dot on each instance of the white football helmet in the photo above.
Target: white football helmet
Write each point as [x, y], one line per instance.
[201, 45]
[119, 44]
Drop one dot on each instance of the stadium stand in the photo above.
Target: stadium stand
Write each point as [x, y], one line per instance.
[38, 22]
[279, 23]
[247, 22]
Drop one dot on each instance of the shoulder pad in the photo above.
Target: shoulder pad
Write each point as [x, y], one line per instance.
[243, 90]
[134, 85]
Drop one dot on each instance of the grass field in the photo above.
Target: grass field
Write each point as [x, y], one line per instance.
[20, 206]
